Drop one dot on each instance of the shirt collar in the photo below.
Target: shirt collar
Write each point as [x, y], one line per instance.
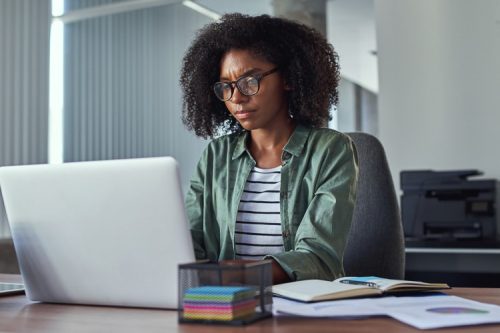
[294, 145]
[297, 141]
[241, 145]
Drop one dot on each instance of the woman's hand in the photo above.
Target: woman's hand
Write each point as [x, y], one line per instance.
[279, 275]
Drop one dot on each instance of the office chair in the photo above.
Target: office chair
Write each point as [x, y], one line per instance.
[375, 244]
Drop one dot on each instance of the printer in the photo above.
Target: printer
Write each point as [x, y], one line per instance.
[448, 206]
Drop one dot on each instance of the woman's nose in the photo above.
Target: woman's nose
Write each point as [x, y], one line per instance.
[238, 97]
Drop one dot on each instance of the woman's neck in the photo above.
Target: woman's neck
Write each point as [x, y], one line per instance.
[266, 146]
[270, 139]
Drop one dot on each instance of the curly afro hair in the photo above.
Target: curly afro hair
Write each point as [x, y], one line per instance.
[306, 60]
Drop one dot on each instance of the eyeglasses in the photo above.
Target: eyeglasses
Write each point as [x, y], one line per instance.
[248, 85]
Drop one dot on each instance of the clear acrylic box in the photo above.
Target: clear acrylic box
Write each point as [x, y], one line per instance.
[225, 293]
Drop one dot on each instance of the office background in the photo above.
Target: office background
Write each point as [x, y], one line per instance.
[422, 76]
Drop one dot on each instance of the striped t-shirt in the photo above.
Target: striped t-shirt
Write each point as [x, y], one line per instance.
[258, 224]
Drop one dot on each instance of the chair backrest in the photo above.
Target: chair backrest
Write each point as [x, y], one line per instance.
[375, 245]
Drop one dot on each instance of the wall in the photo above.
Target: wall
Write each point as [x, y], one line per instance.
[351, 30]
[254, 7]
[439, 71]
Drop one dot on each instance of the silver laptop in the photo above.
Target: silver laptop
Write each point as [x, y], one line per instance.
[104, 232]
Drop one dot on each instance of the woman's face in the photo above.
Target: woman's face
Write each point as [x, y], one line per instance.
[268, 108]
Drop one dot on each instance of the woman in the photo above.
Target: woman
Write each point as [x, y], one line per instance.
[274, 184]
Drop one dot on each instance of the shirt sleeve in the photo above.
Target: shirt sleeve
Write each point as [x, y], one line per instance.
[195, 201]
[322, 233]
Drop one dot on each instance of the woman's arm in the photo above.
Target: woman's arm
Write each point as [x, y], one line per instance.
[195, 207]
[322, 233]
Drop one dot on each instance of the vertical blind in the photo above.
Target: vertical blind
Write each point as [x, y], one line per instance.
[24, 82]
[24, 78]
[122, 93]
[122, 97]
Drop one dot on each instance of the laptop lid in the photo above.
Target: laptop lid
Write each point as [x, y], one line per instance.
[103, 232]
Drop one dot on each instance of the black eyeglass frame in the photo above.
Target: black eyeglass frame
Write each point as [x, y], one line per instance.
[232, 84]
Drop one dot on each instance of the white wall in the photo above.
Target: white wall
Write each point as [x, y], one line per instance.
[439, 87]
[345, 117]
[351, 29]
[254, 7]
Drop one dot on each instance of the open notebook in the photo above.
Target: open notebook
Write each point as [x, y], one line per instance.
[348, 287]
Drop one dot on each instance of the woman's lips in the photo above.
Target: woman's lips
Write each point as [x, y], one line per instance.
[243, 114]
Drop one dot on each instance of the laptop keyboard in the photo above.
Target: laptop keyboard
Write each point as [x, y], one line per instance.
[11, 287]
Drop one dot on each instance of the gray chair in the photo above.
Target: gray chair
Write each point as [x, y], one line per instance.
[375, 245]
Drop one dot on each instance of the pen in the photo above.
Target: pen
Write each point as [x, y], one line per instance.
[363, 283]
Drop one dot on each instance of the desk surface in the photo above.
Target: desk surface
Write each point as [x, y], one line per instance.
[18, 314]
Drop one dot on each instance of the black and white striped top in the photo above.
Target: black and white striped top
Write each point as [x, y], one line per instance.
[258, 224]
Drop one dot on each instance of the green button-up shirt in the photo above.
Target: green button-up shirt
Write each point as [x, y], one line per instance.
[318, 188]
